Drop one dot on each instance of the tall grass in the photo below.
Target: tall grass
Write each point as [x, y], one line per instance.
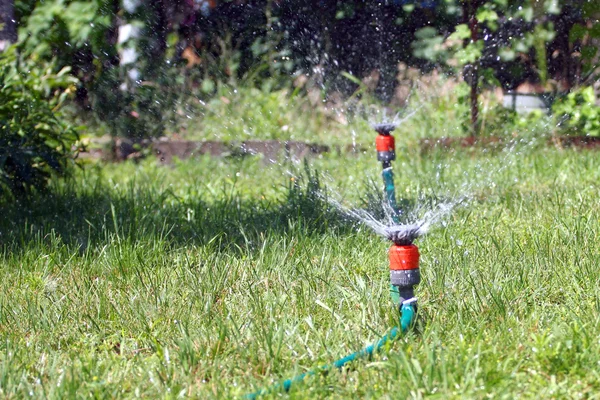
[173, 282]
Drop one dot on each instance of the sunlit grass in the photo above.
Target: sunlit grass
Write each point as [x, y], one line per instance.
[214, 278]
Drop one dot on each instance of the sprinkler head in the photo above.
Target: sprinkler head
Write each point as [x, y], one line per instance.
[384, 128]
[403, 235]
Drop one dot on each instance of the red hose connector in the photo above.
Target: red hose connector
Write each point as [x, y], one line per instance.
[386, 147]
[385, 143]
[404, 257]
[404, 266]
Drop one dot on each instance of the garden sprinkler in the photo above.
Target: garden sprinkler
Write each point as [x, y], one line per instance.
[404, 267]
[403, 255]
[386, 153]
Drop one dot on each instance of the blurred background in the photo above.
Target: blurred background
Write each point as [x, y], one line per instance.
[112, 76]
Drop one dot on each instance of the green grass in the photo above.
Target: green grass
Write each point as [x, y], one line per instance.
[215, 278]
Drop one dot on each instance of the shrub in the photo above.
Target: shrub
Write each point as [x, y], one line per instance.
[35, 141]
[578, 113]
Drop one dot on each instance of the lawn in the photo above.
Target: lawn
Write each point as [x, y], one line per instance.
[214, 278]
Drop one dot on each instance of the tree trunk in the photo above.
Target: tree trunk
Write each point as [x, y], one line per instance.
[474, 70]
[8, 25]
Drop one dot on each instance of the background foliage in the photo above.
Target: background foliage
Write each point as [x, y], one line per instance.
[250, 69]
[35, 140]
[185, 49]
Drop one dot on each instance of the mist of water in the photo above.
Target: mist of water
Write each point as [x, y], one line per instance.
[384, 125]
[418, 221]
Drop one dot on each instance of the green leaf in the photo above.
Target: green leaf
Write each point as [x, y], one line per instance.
[590, 8]
[552, 7]
[486, 15]
[470, 53]
[588, 52]
[595, 30]
[461, 32]
[527, 13]
[426, 33]
[208, 86]
[578, 31]
[507, 54]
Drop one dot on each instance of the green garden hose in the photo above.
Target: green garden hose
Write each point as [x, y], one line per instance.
[407, 318]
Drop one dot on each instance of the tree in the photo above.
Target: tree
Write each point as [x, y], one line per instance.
[471, 71]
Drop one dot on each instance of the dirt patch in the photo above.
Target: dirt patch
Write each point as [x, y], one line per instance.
[273, 151]
[585, 142]
[167, 150]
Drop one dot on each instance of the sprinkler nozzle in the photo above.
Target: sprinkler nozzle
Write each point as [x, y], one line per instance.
[404, 235]
[385, 128]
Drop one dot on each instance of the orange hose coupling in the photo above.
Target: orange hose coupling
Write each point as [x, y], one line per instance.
[385, 143]
[404, 265]
[386, 147]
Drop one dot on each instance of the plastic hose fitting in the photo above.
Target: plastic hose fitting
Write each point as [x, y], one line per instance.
[386, 148]
[404, 270]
